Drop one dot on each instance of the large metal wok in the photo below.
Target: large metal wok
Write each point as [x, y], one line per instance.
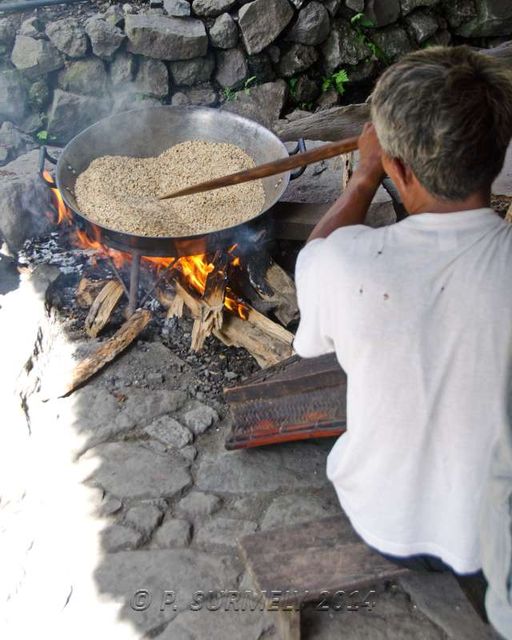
[148, 132]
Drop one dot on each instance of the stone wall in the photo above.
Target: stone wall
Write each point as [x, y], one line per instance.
[61, 71]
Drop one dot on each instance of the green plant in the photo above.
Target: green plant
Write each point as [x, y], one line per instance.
[42, 136]
[336, 81]
[229, 94]
[247, 86]
[377, 52]
[292, 85]
[360, 20]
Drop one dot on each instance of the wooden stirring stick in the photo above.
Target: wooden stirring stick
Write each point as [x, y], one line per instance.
[271, 168]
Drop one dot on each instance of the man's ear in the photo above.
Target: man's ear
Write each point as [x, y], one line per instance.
[398, 172]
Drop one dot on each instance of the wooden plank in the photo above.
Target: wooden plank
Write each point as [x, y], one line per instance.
[328, 125]
[294, 375]
[288, 624]
[284, 297]
[87, 291]
[103, 307]
[296, 400]
[267, 341]
[312, 558]
[109, 350]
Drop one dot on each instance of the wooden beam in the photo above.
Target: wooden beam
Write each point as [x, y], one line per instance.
[328, 125]
[284, 298]
[103, 307]
[109, 350]
[87, 291]
[267, 341]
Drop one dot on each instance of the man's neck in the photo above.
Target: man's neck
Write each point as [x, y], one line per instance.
[426, 203]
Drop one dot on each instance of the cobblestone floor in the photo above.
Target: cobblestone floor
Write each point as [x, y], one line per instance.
[123, 491]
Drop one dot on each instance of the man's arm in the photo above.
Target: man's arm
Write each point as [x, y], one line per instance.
[352, 206]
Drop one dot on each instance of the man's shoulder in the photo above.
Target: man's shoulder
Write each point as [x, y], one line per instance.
[350, 240]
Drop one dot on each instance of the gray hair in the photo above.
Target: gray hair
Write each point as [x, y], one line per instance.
[447, 114]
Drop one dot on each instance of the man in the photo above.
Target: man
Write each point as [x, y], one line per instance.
[420, 316]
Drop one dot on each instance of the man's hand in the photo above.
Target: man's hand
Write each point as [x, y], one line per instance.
[352, 206]
[370, 153]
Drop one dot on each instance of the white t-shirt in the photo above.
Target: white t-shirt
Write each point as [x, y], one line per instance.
[420, 316]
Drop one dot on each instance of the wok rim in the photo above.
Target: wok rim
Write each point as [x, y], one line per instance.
[160, 239]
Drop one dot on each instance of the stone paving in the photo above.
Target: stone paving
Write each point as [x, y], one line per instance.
[123, 492]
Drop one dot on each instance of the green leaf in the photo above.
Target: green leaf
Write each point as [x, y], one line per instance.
[360, 20]
[340, 80]
[292, 84]
[42, 136]
[248, 83]
[326, 84]
[229, 94]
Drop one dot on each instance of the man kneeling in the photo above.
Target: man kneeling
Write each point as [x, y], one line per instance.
[420, 313]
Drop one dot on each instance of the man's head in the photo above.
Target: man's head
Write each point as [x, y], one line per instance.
[443, 117]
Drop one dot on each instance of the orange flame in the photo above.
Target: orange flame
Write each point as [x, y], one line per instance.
[63, 213]
[195, 269]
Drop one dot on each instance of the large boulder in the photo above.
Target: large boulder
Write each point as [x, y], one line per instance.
[409, 5]
[299, 57]
[263, 103]
[152, 78]
[457, 12]
[312, 26]
[8, 26]
[166, 38]
[201, 95]
[24, 201]
[13, 96]
[212, 8]
[224, 32]
[355, 5]
[231, 68]
[260, 67]
[177, 8]
[87, 77]
[262, 21]
[343, 46]
[494, 18]
[68, 36]
[421, 25]
[35, 57]
[393, 41]
[70, 113]
[122, 68]
[105, 37]
[13, 142]
[382, 12]
[39, 95]
[190, 72]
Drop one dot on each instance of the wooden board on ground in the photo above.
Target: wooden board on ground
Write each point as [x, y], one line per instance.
[313, 558]
[108, 350]
[295, 400]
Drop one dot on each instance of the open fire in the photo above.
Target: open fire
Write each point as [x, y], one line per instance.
[195, 270]
[206, 286]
